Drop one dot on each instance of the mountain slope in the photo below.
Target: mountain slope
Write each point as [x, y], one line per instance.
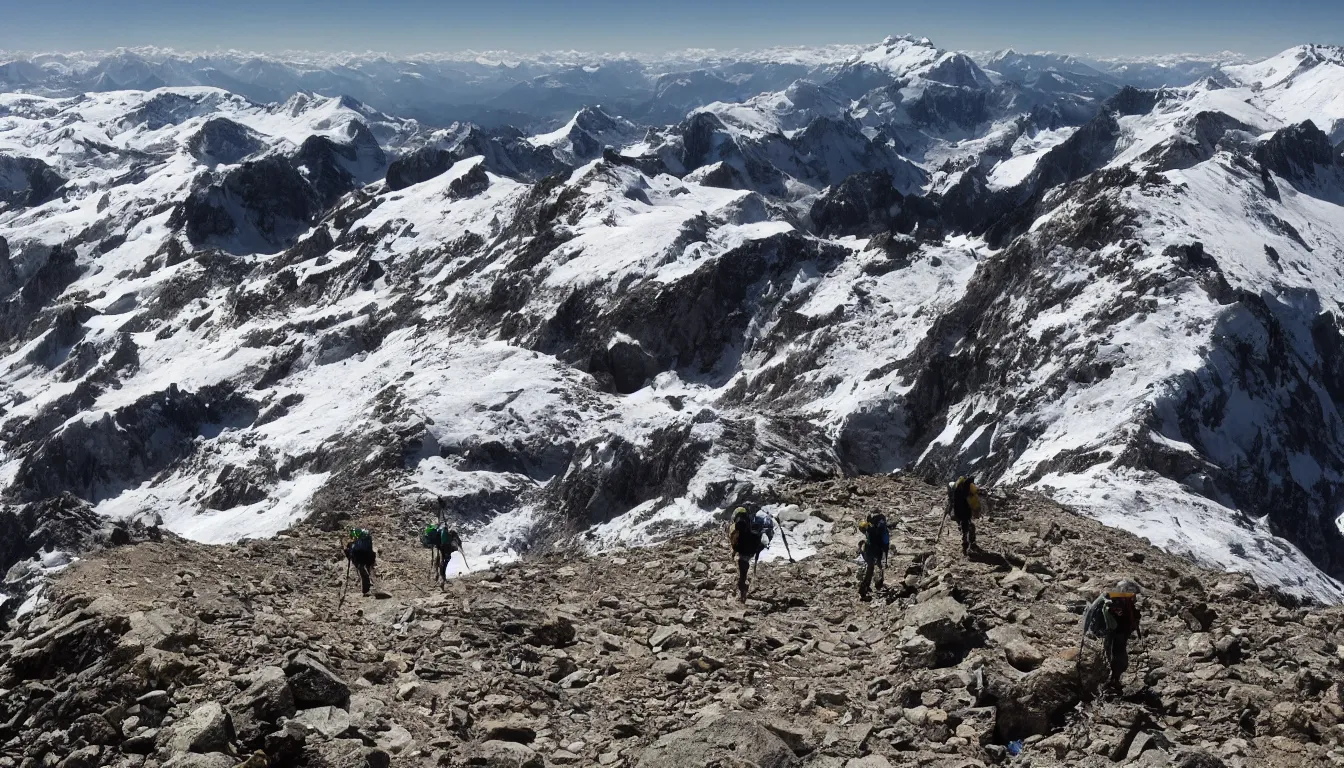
[646, 659]
[228, 314]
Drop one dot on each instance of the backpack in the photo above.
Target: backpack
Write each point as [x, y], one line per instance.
[429, 538]
[763, 529]
[964, 497]
[360, 540]
[743, 536]
[1121, 614]
[876, 535]
[1094, 618]
[450, 541]
[1111, 612]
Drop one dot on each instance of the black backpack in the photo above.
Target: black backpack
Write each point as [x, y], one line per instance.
[958, 496]
[360, 540]
[877, 537]
[746, 541]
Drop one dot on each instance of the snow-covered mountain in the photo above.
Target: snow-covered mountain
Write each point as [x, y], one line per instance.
[233, 312]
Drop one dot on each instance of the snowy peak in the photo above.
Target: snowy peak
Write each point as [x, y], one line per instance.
[587, 134]
[905, 61]
[900, 56]
[1281, 69]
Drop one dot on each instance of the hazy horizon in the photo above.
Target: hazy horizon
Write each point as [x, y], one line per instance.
[402, 28]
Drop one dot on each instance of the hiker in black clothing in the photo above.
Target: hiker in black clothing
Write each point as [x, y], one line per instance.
[1114, 615]
[965, 498]
[874, 547]
[748, 537]
[359, 551]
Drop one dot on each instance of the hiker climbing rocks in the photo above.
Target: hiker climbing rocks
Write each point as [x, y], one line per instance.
[964, 498]
[1114, 615]
[359, 551]
[874, 548]
[748, 535]
[442, 543]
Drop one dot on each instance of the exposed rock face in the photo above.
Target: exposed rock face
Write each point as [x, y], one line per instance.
[223, 141]
[98, 457]
[26, 182]
[1298, 153]
[273, 200]
[421, 165]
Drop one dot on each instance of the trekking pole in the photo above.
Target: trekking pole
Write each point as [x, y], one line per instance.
[345, 585]
[941, 526]
[783, 536]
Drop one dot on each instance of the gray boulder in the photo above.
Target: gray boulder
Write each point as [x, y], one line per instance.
[734, 739]
[331, 722]
[93, 729]
[207, 729]
[944, 622]
[313, 685]
[86, 757]
[269, 697]
[193, 760]
[164, 629]
[1032, 704]
[503, 754]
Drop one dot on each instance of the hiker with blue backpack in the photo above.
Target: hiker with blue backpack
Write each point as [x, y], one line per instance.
[359, 552]
[749, 535]
[873, 548]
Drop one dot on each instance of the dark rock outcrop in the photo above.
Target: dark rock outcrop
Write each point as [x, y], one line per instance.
[26, 182]
[221, 140]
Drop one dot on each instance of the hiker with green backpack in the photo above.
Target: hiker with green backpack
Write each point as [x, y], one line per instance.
[873, 548]
[442, 543]
[359, 552]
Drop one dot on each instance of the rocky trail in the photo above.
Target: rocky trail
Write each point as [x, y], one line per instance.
[181, 655]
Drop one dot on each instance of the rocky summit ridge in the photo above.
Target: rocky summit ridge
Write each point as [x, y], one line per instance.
[167, 652]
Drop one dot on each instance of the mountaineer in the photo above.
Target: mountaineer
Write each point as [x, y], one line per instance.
[748, 535]
[1114, 615]
[359, 551]
[874, 548]
[964, 501]
[443, 542]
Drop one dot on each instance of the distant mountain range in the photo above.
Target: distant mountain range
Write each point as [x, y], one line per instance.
[529, 91]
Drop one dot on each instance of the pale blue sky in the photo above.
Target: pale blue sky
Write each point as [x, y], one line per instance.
[407, 26]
